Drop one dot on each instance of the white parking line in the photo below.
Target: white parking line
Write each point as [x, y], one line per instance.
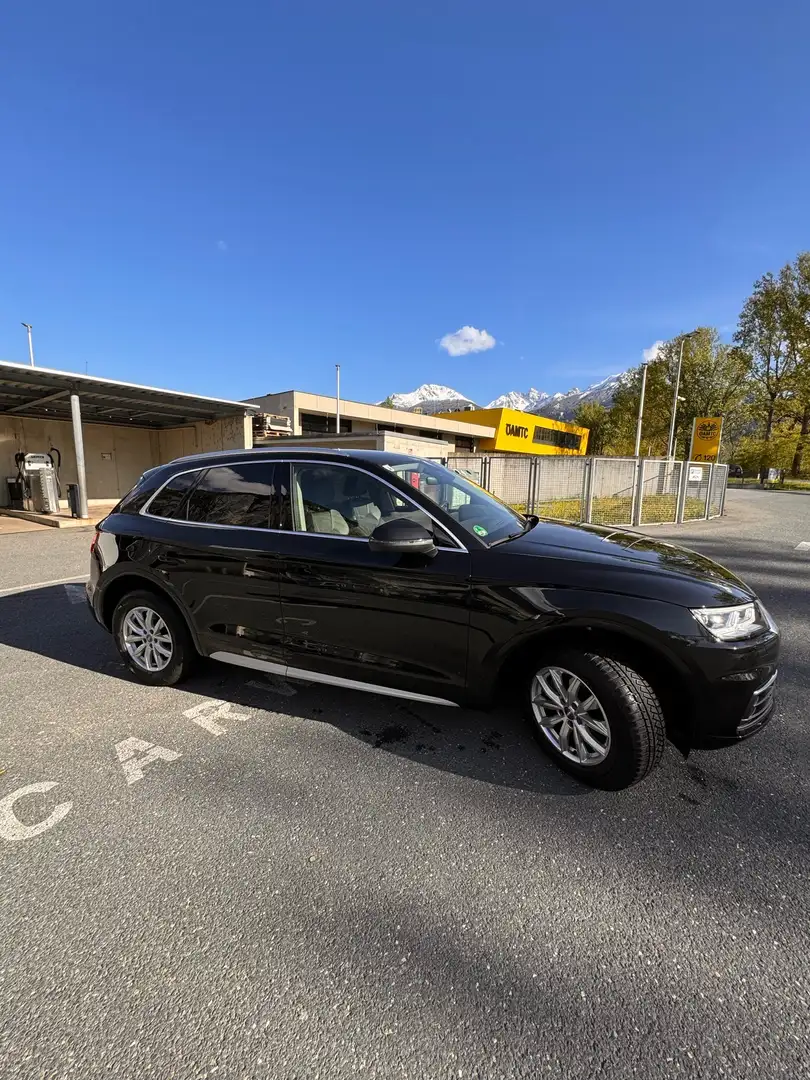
[11, 828]
[134, 755]
[133, 766]
[215, 707]
[43, 584]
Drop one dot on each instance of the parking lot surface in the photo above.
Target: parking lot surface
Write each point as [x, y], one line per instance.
[244, 877]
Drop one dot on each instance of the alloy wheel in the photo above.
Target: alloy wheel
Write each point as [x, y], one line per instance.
[147, 639]
[570, 715]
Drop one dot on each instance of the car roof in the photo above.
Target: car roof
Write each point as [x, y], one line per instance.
[370, 457]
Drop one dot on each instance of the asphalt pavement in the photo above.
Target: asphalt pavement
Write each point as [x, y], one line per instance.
[245, 877]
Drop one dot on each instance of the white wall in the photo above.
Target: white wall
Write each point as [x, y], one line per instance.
[231, 433]
[115, 456]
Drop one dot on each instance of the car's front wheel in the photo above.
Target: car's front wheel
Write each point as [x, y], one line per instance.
[152, 638]
[599, 719]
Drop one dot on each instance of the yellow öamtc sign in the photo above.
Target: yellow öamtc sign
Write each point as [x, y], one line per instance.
[706, 432]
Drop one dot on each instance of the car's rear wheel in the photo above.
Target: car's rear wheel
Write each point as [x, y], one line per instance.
[598, 718]
[152, 638]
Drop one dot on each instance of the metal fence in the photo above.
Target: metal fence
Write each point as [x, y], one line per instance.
[600, 490]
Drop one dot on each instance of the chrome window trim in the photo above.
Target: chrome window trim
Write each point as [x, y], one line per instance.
[204, 524]
[144, 511]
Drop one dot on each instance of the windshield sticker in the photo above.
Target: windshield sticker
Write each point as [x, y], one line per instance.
[479, 530]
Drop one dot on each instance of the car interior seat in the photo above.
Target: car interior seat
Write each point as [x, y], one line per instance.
[312, 504]
[467, 511]
[358, 505]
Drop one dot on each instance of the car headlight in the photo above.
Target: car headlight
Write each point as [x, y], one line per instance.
[735, 623]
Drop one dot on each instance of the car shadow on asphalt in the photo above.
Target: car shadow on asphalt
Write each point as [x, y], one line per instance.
[495, 747]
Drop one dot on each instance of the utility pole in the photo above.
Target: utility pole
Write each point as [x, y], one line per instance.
[337, 410]
[671, 443]
[29, 328]
[644, 367]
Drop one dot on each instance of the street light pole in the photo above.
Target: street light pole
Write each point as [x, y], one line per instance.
[671, 443]
[641, 406]
[337, 410]
[28, 327]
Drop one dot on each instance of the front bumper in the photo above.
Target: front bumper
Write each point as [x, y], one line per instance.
[739, 695]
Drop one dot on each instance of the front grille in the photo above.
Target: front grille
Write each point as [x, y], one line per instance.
[760, 708]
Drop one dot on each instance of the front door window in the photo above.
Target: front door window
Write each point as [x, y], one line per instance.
[334, 500]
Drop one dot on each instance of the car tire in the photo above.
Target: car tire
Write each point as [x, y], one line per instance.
[168, 654]
[617, 740]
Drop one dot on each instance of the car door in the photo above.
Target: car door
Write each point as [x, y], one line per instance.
[351, 614]
[219, 554]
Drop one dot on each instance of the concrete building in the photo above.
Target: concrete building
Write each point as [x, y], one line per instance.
[108, 432]
[396, 443]
[313, 415]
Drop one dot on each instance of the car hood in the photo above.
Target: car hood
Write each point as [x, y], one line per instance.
[628, 551]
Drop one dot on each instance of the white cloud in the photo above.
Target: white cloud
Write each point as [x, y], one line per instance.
[221, 245]
[466, 340]
[651, 354]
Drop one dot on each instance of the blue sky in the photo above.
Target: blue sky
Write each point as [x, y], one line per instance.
[231, 198]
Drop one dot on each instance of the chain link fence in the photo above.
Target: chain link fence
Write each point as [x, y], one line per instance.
[472, 466]
[659, 491]
[717, 490]
[558, 490]
[611, 493]
[599, 490]
[512, 481]
[697, 492]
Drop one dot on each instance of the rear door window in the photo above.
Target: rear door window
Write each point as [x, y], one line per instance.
[170, 501]
[244, 496]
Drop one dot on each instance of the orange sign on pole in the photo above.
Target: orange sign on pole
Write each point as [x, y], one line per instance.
[706, 433]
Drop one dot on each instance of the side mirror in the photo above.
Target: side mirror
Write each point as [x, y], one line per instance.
[403, 537]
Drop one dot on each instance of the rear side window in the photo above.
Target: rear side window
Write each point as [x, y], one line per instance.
[170, 500]
[135, 501]
[245, 496]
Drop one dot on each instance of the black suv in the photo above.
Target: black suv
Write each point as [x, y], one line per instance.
[387, 573]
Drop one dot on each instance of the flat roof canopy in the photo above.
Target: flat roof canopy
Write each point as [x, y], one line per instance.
[44, 394]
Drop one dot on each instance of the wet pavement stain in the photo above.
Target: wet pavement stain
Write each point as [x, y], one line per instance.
[391, 734]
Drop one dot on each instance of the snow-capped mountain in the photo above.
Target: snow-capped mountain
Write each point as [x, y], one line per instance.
[516, 399]
[433, 398]
[426, 394]
[563, 406]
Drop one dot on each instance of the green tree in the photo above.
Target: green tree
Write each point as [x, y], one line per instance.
[388, 403]
[597, 419]
[657, 411]
[755, 453]
[798, 336]
[774, 328]
[713, 382]
[739, 428]
[763, 333]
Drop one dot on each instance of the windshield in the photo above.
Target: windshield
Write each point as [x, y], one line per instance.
[473, 508]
